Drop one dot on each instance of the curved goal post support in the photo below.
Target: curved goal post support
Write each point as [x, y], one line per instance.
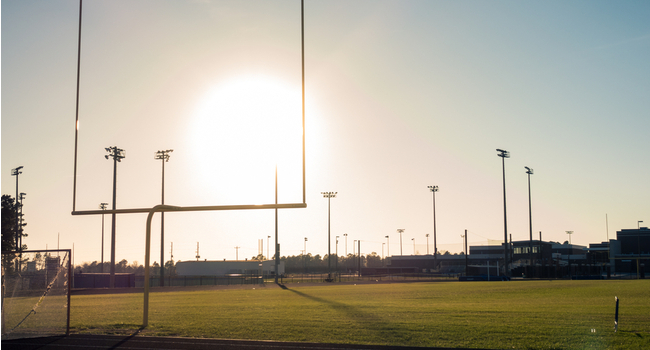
[168, 208]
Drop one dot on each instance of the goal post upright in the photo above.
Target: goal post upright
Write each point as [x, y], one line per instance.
[169, 208]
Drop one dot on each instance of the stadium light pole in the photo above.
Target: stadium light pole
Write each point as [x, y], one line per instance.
[427, 235]
[346, 243]
[433, 190]
[359, 250]
[15, 172]
[117, 154]
[329, 196]
[569, 233]
[413, 239]
[400, 231]
[337, 255]
[504, 154]
[529, 171]
[305, 255]
[387, 246]
[103, 206]
[164, 156]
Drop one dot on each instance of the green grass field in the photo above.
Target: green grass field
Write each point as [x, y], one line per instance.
[493, 315]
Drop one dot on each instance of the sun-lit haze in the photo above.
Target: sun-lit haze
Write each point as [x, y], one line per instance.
[400, 95]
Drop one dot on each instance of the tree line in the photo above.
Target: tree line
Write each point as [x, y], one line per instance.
[292, 264]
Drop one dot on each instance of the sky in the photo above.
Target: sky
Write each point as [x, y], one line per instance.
[399, 95]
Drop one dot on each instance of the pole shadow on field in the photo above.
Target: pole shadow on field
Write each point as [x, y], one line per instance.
[372, 322]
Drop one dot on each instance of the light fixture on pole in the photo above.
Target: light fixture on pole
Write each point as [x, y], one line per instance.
[329, 196]
[504, 154]
[433, 190]
[15, 172]
[529, 171]
[413, 239]
[117, 154]
[400, 231]
[164, 156]
[346, 243]
[102, 206]
[569, 233]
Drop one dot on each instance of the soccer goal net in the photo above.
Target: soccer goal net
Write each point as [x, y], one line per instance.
[35, 293]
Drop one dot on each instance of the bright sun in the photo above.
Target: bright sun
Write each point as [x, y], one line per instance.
[241, 130]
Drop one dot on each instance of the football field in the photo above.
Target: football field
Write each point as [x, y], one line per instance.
[490, 315]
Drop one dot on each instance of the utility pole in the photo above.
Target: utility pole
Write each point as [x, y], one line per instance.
[117, 154]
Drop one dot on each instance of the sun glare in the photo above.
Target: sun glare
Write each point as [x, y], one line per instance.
[241, 130]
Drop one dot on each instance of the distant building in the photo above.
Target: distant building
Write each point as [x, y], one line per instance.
[228, 267]
[628, 254]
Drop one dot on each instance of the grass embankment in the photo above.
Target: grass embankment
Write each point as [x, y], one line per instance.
[494, 315]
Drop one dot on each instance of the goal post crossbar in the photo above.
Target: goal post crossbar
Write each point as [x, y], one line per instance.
[192, 208]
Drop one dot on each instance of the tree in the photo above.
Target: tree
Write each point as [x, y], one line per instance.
[9, 224]
[259, 257]
[170, 268]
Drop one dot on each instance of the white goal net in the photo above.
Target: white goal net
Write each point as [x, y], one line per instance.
[35, 293]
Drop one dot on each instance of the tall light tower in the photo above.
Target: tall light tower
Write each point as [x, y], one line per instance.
[117, 154]
[305, 255]
[569, 233]
[529, 171]
[433, 190]
[103, 206]
[413, 239]
[387, 246]
[337, 255]
[164, 156]
[346, 243]
[329, 196]
[504, 154]
[400, 231]
[15, 172]
[427, 235]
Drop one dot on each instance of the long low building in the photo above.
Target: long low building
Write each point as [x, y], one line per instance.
[228, 267]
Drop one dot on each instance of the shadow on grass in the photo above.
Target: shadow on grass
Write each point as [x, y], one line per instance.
[382, 331]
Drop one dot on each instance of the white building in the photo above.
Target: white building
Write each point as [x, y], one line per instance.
[225, 268]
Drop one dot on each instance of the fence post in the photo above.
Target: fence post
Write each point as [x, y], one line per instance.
[616, 317]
